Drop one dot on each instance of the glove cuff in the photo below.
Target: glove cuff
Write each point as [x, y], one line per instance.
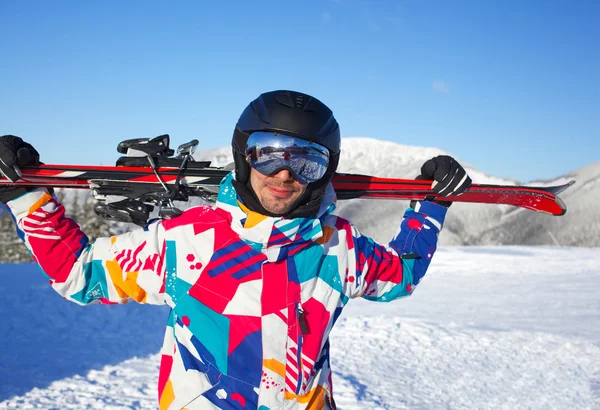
[8, 194]
[432, 211]
[29, 201]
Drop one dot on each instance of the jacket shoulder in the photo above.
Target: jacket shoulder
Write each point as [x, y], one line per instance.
[198, 215]
[338, 223]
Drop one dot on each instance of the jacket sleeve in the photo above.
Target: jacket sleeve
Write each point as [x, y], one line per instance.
[109, 270]
[384, 273]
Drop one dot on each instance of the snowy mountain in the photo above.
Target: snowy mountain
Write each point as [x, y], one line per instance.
[466, 224]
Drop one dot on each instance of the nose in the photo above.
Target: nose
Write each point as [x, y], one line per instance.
[284, 175]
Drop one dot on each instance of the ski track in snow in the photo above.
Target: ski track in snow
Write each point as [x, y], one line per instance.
[489, 328]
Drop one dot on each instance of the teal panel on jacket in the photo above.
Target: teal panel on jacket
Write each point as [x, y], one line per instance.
[330, 272]
[95, 279]
[210, 327]
[182, 287]
[171, 321]
[308, 262]
[227, 194]
[171, 271]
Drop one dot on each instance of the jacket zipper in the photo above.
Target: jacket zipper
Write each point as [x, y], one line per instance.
[303, 330]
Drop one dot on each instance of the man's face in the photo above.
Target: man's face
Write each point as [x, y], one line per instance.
[277, 193]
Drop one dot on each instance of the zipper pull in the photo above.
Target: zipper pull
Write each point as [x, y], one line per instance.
[304, 329]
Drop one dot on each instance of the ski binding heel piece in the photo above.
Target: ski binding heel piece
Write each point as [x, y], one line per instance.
[187, 149]
[141, 147]
[169, 212]
[127, 210]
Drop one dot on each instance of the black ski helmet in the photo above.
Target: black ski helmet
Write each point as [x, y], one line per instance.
[292, 113]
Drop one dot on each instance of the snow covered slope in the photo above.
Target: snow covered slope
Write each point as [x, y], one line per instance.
[489, 327]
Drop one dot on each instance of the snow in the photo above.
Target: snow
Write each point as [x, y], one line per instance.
[513, 327]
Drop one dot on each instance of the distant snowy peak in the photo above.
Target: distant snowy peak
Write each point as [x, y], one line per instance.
[589, 174]
[383, 158]
[371, 156]
[361, 155]
[219, 157]
[355, 147]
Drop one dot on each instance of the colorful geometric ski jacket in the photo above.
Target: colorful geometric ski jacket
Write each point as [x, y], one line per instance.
[252, 298]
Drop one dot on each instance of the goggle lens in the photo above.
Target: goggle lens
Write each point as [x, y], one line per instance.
[269, 153]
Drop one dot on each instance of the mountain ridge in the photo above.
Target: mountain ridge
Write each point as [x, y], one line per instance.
[466, 223]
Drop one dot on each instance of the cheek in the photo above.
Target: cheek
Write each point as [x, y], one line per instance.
[255, 182]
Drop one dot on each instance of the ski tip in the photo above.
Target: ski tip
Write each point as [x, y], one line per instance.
[557, 189]
[566, 186]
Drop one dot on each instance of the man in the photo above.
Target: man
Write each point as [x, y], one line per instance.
[256, 282]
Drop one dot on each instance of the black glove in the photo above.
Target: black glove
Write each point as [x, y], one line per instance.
[449, 177]
[15, 153]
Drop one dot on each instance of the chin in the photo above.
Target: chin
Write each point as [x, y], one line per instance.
[280, 210]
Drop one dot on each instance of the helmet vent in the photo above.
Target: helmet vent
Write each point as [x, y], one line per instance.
[284, 99]
[299, 101]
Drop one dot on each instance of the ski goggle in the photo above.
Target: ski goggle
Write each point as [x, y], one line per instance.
[270, 152]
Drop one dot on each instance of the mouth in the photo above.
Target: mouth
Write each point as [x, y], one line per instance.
[280, 192]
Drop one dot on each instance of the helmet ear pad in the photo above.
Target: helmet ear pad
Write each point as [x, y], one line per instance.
[242, 168]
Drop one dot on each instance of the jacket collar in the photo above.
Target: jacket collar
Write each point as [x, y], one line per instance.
[273, 236]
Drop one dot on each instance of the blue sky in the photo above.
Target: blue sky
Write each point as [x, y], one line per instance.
[510, 87]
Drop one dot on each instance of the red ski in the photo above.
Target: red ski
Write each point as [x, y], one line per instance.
[149, 175]
[170, 181]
